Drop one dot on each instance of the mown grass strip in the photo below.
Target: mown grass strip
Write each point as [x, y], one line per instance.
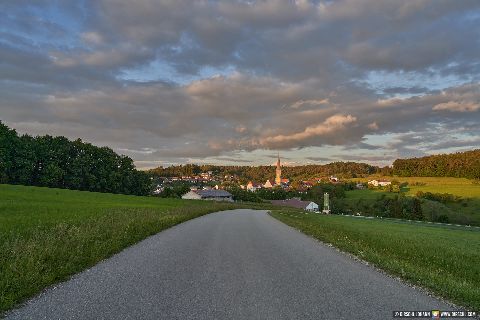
[441, 259]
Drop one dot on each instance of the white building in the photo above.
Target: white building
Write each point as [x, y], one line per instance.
[268, 184]
[379, 183]
[312, 206]
[216, 195]
[334, 179]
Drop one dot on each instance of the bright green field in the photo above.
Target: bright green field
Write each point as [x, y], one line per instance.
[446, 260]
[457, 186]
[466, 212]
[46, 235]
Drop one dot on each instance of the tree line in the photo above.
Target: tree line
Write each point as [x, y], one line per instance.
[460, 165]
[262, 173]
[60, 163]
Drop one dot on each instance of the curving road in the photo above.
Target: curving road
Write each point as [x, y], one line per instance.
[239, 264]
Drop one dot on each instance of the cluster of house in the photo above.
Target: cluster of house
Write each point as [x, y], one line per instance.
[285, 183]
[253, 186]
[202, 177]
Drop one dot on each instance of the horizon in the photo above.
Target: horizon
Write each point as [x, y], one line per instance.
[233, 83]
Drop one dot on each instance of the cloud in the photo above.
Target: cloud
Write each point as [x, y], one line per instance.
[457, 106]
[301, 103]
[92, 38]
[332, 125]
[249, 75]
[367, 158]
[322, 159]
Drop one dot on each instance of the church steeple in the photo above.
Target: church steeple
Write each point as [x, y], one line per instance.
[278, 171]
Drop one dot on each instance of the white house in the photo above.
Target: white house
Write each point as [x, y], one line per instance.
[268, 184]
[312, 206]
[216, 195]
[379, 183]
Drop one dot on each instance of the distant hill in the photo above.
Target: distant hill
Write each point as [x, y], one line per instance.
[262, 173]
[460, 164]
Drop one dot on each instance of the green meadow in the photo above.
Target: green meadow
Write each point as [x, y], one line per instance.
[457, 186]
[443, 259]
[46, 235]
[465, 211]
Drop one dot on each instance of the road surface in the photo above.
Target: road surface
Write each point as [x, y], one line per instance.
[239, 264]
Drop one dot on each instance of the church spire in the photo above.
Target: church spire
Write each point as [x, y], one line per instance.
[278, 171]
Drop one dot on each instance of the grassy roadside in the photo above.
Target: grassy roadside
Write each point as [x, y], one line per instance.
[443, 260]
[46, 235]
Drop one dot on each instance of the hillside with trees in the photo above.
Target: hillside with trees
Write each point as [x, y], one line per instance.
[459, 165]
[57, 162]
[262, 173]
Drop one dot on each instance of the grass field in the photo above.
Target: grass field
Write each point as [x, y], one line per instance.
[465, 212]
[457, 186]
[446, 260]
[46, 235]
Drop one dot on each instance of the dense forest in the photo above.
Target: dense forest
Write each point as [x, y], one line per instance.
[60, 163]
[460, 165]
[262, 173]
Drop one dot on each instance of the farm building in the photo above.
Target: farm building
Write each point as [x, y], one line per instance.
[297, 203]
[380, 183]
[216, 195]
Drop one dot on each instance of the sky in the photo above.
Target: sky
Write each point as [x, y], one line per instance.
[236, 82]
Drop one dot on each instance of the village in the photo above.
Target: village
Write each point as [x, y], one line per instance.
[208, 186]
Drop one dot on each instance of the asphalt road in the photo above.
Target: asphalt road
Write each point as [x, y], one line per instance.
[239, 264]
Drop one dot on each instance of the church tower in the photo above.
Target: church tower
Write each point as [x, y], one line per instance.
[278, 171]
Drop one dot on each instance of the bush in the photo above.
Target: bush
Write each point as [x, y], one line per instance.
[442, 218]
[416, 183]
[440, 197]
[243, 195]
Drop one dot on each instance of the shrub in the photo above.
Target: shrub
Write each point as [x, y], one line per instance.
[440, 197]
[443, 218]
